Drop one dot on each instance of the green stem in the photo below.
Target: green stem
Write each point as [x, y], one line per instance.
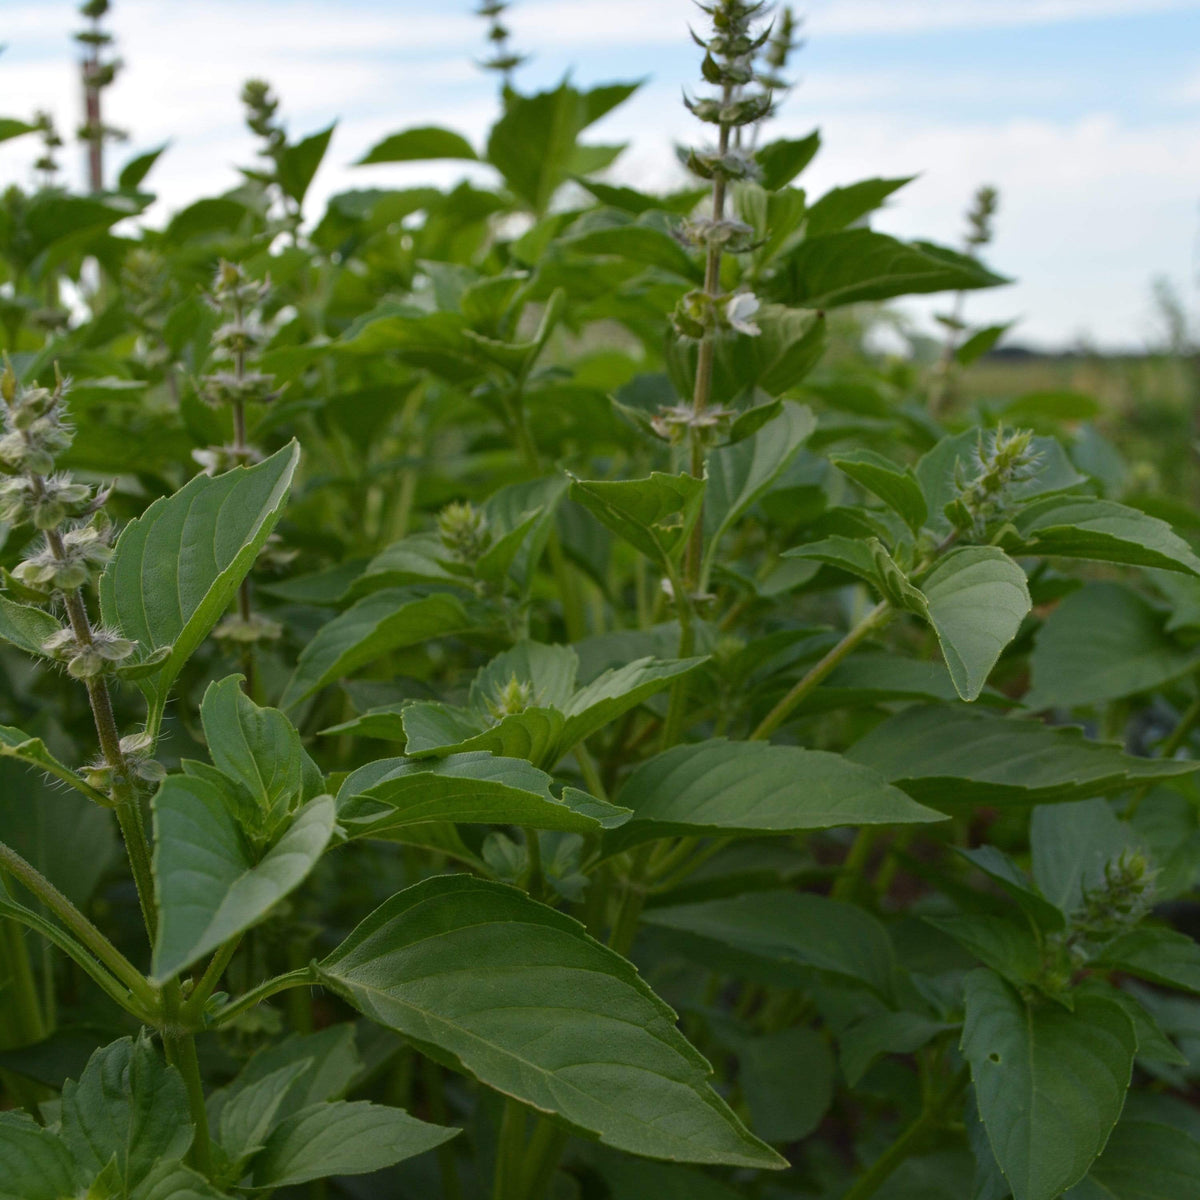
[874, 620]
[568, 590]
[590, 772]
[129, 813]
[407, 492]
[673, 726]
[94, 941]
[633, 900]
[435, 1094]
[145, 1011]
[542, 1157]
[510, 1153]
[702, 393]
[28, 1024]
[851, 871]
[535, 879]
[180, 1048]
[194, 1007]
[129, 817]
[931, 1115]
[668, 881]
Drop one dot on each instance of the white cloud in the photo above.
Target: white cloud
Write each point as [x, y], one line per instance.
[1092, 208]
[621, 22]
[923, 16]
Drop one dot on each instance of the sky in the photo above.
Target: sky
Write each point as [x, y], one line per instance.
[1085, 114]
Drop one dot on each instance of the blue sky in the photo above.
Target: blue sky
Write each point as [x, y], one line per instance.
[1085, 113]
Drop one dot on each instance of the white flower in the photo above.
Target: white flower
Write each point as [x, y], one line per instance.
[739, 311]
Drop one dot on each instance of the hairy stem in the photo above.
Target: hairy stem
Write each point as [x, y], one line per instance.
[245, 608]
[180, 1048]
[302, 977]
[209, 980]
[124, 798]
[12, 864]
[702, 392]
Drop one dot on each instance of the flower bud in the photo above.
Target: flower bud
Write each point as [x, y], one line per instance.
[464, 531]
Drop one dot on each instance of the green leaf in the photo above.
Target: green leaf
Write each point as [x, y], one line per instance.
[560, 718]
[835, 269]
[1103, 531]
[1041, 408]
[1143, 1160]
[1009, 949]
[1072, 845]
[739, 475]
[787, 1080]
[645, 240]
[777, 936]
[535, 145]
[418, 145]
[171, 1181]
[781, 161]
[788, 346]
[946, 757]
[250, 1114]
[413, 560]
[345, 1138]
[10, 128]
[330, 1064]
[377, 624]
[977, 598]
[435, 341]
[209, 887]
[474, 788]
[897, 487]
[17, 744]
[257, 748]
[842, 206]
[1050, 1083]
[487, 981]
[1153, 1044]
[136, 169]
[978, 344]
[296, 165]
[861, 1043]
[430, 728]
[868, 558]
[748, 788]
[35, 1163]
[872, 677]
[654, 515]
[998, 867]
[176, 568]
[67, 836]
[1156, 953]
[26, 627]
[954, 456]
[130, 1105]
[1102, 643]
